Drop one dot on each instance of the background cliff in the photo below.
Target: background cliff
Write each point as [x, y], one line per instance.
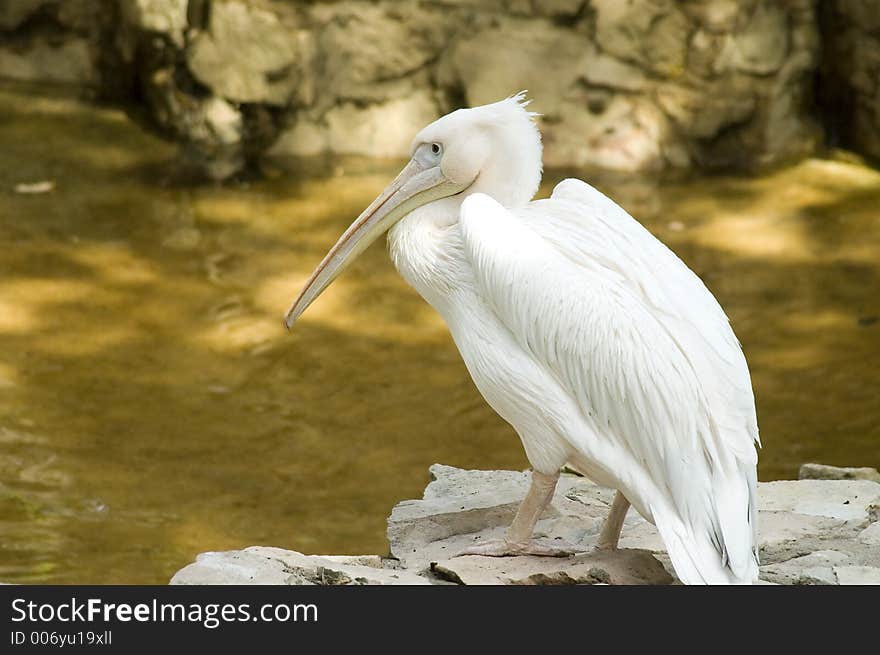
[635, 85]
[630, 85]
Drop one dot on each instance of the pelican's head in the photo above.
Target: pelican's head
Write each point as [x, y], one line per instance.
[494, 149]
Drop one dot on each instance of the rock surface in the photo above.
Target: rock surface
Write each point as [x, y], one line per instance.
[262, 565]
[53, 41]
[245, 54]
[850, 74]
[634, 86]
[811, 532]
[825, 472]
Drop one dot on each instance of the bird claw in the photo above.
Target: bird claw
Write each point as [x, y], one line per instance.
[538, 547]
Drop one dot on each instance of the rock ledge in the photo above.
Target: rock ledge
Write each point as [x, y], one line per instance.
[811, 532]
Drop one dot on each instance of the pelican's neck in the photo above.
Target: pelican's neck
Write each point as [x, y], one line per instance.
[426, 245]
[427, 251]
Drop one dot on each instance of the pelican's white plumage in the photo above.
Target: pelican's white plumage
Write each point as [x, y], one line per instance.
[650, 387]
[590, 337]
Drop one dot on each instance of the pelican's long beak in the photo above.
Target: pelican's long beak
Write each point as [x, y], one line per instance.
[415, 186]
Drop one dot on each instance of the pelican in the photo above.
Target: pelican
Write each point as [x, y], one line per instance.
[583, 331]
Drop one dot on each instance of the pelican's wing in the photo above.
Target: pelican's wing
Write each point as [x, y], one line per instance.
[595, 227]
[587, 291]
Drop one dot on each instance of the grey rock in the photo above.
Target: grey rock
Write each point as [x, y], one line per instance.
[825, 472]
[460, 508]
[818, 575]
[851, 69]
[605, 71]
[67, 62]
[810, 532]
[785, 534]
[651, 34]
[245, 55]
[717, 16]
[74, 17]
[351, 129]
[210, 129]
[703, 117]
[373, 561]
[374, 52]
[857, 575]
[624, 566]
[167, 17]
[641, 85]
[232, 567]
[815, 568]
[762, 45]
[844, 500]
[870, 535]
[261, 565]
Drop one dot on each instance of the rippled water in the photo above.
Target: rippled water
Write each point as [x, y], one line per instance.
[152, 407]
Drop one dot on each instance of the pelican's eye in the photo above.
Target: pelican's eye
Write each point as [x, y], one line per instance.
[429, 154]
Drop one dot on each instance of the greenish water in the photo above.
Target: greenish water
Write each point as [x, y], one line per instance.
[152, 406]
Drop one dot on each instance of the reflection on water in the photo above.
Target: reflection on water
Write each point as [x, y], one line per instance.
[152, 406]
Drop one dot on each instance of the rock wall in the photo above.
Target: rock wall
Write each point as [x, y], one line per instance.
[850, 76]
[631, 85]
[52, 40]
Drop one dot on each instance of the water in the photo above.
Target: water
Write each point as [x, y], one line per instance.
[152, 407]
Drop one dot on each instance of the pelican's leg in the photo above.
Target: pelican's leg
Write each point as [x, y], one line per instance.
[519, 536]
[610, 534]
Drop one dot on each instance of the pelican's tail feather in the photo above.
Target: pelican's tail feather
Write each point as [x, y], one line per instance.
[718, 547]
[695, 558]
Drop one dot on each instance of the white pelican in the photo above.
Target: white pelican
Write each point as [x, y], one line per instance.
[583, 331]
